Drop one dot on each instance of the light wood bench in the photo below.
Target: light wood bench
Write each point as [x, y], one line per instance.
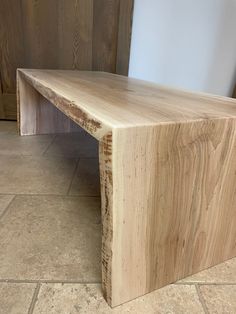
[167, 168]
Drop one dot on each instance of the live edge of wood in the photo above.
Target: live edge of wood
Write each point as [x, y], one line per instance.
[168, 180]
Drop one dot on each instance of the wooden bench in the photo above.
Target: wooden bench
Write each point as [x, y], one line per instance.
[167, 169]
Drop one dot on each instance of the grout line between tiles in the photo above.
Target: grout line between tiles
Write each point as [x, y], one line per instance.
[206, 283]
[73, 176]
[97, 282]
[94, 158]
[7, 207]
[40, 281]
[34, 299]
[38, 156]
[201, 299]
[46, 149]
[84, 195]
[66, 157]
[45, 194]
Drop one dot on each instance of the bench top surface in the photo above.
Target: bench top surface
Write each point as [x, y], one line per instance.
[118, 101]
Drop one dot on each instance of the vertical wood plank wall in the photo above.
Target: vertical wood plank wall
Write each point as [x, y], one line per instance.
[61, 34]
[234, 93]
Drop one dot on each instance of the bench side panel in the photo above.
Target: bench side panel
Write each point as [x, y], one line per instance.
[174, 200]
[37, 115]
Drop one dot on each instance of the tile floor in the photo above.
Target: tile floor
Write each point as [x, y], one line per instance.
[50, 236]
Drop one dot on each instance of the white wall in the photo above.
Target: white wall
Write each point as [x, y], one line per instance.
[185, 43]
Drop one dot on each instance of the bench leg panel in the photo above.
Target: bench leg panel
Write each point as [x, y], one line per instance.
[36, 115]
[168, 204]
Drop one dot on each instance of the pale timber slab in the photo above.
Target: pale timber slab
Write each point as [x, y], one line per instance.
[167, 168]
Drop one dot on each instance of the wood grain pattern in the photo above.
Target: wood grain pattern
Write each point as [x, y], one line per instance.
[175, 202]
[11, 44]
[105, 35]
[11, 55]
[119, 101]
[40, 26]
[8, 105]
[167, 169]
[62, 34]
[2, 110]
[75, 34]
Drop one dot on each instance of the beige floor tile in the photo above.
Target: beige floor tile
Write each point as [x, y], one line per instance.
[71, 298]
[8, 127]
[219, 299]
[13, 144]
[4, 202]
[15, 298]
[86, 180]
[59, 237]
[51, 238]
[75, 145]
[27, 175]
[222, 273]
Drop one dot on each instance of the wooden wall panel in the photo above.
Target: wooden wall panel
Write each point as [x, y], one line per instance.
[124, 35]
[40, 33]
[61, 34]
[234, 93]
[8, 106]
[105, 35]
[2, 111]
[75, 34]
[40, 29]
[11, 43]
